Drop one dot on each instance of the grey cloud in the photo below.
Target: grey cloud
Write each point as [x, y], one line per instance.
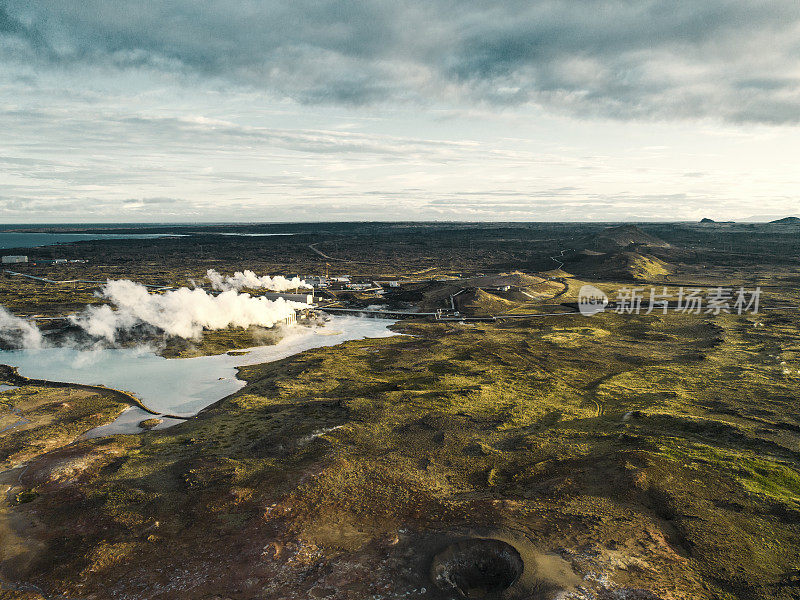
[768, 83]
[13, 28]
[194, 134]
[730, 59]
[315, 141]
[27, 209]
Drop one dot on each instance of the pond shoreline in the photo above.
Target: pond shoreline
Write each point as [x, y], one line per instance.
[11, 375]
[172, 389]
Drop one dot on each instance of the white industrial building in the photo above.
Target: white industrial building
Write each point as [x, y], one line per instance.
[7, 260]
[361, 286]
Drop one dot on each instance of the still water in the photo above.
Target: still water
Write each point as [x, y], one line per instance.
[178, 386]
[35, 240]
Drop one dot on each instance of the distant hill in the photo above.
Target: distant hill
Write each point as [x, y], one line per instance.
[515, 278]
[707, 221]
[622, 236]
[619, 265]
[525, 287]
[479, 302]
[787, 221]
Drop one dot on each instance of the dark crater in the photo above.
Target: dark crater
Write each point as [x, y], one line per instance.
[476, 568]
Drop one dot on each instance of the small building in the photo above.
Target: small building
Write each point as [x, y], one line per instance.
[8, 260]
[317, 282]
[359, 286]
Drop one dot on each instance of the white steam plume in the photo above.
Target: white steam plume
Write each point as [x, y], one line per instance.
[248, 279]
[18, 333]
[182, 312]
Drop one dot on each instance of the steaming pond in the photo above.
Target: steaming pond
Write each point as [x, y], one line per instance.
[178, 386]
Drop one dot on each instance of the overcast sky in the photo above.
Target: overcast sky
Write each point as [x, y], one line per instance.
[302, 110]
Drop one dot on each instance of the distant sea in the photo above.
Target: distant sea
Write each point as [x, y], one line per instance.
[34, 240]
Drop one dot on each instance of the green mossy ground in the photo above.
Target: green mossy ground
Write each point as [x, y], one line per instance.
[586, 430]
[55, 417]
[658, 452]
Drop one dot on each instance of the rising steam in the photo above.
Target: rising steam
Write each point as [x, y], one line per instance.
[247, 279]
[182, 312]
[18, 333]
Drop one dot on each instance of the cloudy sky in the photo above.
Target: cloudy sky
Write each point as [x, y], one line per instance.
[299, 110]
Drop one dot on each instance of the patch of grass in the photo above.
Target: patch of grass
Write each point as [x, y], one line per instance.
[770, 479]
[605, 434]
[54, 417]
